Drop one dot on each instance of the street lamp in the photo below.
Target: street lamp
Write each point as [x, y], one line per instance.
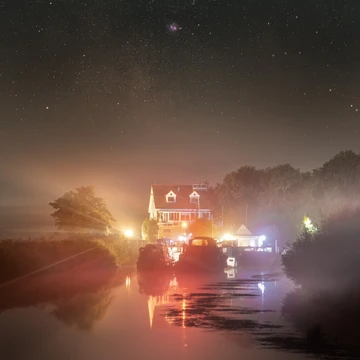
[129, 233]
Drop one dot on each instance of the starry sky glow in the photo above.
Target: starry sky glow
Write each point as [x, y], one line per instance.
[123, 93]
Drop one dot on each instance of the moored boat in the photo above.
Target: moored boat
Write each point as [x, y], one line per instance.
[154, 257]
[202, 254]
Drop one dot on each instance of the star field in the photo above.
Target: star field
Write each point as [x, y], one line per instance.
[127, 84]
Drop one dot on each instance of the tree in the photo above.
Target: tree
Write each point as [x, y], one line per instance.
[81, 210]
[149, 230]
[200, 227]
[281, 196]
[240, 193]
[328, 256]
[337, 182]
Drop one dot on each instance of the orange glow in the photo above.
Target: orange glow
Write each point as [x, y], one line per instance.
[184, 224]
[128, 282]
[183, 307]
[151, 309]
[129, 233]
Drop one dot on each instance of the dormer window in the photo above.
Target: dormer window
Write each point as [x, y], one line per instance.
[194, 197]
[171, 197]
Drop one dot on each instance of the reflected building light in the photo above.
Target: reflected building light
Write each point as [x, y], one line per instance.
[153, 302]
[261, 286]
[183, 307]
[230, 274]
[151, 308]
[174, 283]
[128, 282]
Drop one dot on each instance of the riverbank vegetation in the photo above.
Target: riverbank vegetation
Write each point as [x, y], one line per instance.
[274, 200]
[21, 257]
[325, 264]
[89, 237]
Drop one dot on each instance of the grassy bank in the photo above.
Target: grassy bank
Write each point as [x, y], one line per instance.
[18, 257]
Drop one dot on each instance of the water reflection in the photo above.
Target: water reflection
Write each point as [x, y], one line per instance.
[128, 282]
[261, 286]
[157, 286]
[231, 273]
[250, 306]
[328, 320]
[78, 300]
[82, 311]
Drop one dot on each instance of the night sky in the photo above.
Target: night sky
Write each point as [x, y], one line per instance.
[123, 93]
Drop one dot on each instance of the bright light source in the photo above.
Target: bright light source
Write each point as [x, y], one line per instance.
[228, 237]
[261, 286]
[184, 224]
[129, 233]
[309, 225]
[262, 239]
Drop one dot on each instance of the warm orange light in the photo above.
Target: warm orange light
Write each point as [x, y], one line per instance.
[183, 307]
[129, 233]
[128, 282]
[184, 224]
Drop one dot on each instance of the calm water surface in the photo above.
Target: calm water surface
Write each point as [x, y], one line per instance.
[131, 316]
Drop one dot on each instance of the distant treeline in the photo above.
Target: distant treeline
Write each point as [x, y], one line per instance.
[276, 199]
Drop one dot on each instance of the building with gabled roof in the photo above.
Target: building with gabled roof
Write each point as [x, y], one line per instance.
[175, 206]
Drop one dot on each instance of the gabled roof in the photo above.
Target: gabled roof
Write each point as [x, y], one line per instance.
[243, 230]
[182, 193]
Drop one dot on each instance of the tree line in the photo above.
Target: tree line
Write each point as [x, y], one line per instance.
[276, 199]
[273, 200]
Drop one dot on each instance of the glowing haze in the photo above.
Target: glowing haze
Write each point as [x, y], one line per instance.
[112, 93]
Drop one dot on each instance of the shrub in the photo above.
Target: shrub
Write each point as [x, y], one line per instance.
[330, 257]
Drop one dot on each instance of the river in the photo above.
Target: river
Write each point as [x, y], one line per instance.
[124, 315]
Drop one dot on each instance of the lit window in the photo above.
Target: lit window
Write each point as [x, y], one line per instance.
[171, 197]
[194, 197]
[185, 217]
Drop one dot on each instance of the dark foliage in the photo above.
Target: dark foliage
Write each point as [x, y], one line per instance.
[330, 257]
[279, 197]
[81, 210]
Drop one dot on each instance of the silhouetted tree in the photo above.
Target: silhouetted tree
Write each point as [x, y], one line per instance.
[149, 230]
[280, 196]
[337, 182]
[240, 193]
[81, 210]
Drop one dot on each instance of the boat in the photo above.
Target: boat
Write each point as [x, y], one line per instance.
[154, 257]
[202, 254]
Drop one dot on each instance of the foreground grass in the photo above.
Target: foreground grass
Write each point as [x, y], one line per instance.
[18, 258]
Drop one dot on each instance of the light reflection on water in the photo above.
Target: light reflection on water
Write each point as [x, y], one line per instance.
[107, 315]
